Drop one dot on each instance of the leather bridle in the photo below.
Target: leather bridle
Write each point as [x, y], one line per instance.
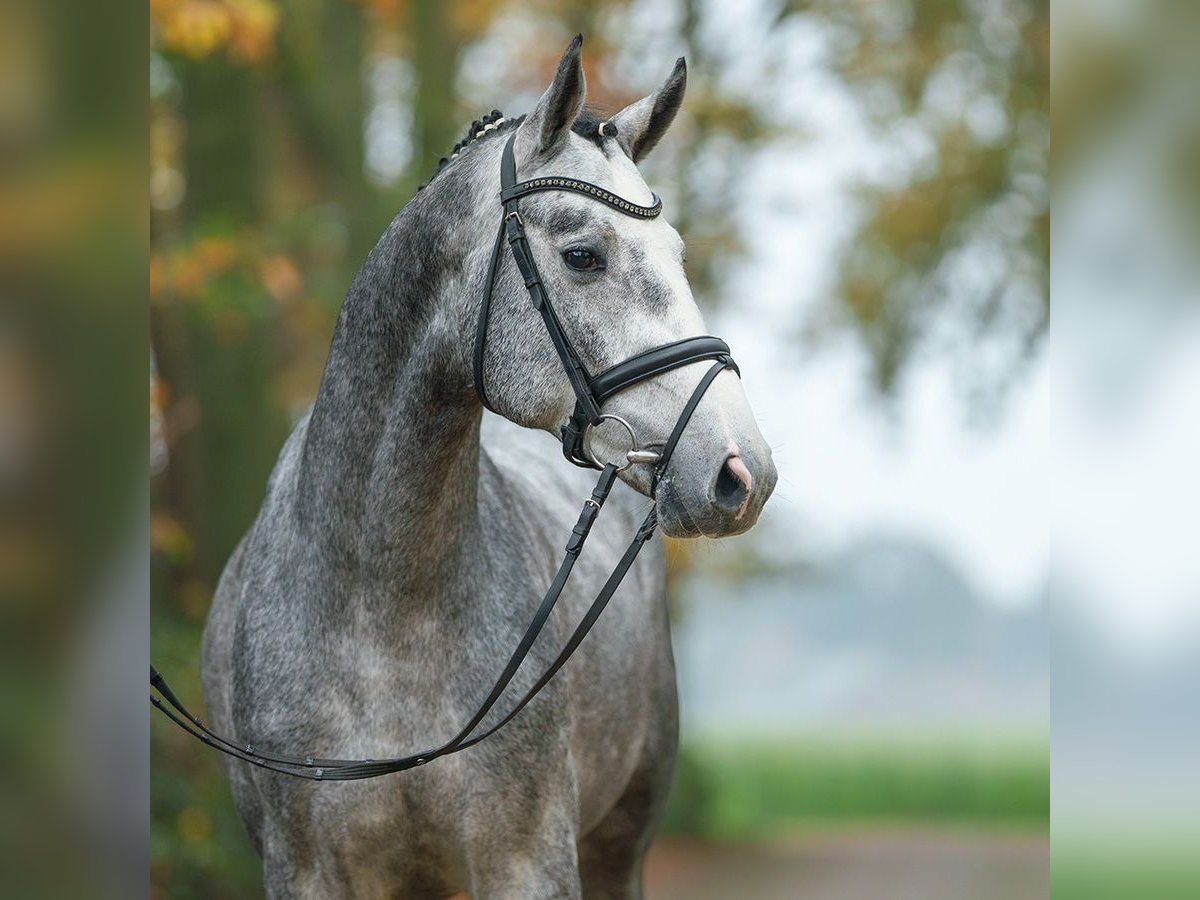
[591, 391]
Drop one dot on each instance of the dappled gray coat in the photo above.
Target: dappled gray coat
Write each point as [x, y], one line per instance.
[404, 540]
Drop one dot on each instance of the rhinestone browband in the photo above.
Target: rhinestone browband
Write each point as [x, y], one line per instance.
[559, 183]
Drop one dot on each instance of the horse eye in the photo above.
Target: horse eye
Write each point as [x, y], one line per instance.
[583, 260]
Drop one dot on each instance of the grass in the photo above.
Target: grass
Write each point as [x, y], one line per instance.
[737, 791]
[723, 792]
[1108, 871]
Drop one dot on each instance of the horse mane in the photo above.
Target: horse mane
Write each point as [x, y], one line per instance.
[587, 124]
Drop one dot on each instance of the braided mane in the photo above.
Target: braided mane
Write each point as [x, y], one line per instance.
[587, 124]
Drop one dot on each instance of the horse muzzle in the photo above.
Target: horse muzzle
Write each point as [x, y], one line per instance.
[716, 500]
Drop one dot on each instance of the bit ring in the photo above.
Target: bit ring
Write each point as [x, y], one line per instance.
[633, 443]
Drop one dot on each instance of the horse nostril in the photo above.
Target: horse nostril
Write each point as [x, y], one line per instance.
[734, 483]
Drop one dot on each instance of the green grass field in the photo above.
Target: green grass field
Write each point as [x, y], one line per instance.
[1105, 871]
[724, 792]
[747, 790]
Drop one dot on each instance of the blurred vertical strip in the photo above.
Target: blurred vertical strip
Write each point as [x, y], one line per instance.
[73, 448]
[1125, 340]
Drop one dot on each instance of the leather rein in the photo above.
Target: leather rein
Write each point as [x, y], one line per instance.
[590, 393]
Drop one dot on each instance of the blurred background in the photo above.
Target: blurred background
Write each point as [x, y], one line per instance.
[1126, 437]
[863, 186]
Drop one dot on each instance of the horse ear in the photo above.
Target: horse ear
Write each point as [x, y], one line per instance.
[555, 113]
[641, 124]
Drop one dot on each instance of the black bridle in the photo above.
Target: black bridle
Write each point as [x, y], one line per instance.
[590, 393]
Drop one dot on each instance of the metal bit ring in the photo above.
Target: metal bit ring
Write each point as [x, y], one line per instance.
[634, 454]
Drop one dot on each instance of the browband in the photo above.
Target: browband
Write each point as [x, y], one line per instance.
[590, 391]
[562, 183]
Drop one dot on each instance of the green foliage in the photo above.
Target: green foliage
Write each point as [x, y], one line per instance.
[198, 848]
[262, 209]
[729, 791]
[953, 250]
[1107, 871]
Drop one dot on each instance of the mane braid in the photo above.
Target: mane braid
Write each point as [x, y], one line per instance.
[479, 129]
[587, 124]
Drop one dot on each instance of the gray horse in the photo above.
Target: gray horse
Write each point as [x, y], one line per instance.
[405, 539]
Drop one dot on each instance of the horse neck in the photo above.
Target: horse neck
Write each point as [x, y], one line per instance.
[390, 463]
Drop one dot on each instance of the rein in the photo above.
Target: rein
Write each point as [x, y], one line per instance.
[590, 393]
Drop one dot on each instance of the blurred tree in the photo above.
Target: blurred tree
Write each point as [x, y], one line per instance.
[953, 254]
[435, 48]
[320, 91]
[263, 206]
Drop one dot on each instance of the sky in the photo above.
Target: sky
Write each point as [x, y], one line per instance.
[986, 496]
[978, 494]
[1111, 476]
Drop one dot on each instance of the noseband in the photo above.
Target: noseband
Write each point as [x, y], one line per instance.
[590, 390]
[590, 393]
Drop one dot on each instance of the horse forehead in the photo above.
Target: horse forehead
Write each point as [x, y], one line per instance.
[609, 167]
[627, 180]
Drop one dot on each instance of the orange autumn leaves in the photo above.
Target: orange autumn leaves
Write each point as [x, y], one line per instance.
[244, 29]
[188, 270]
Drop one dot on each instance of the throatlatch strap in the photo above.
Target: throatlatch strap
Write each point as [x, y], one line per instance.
[481, 323]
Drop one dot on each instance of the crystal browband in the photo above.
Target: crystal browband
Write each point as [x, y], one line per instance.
[559, 183]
